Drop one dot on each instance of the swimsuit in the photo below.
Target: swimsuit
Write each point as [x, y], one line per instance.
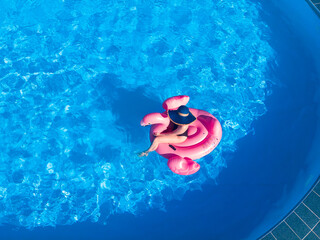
[183, 134]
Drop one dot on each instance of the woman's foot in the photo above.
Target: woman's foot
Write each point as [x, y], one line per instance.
[145, 153]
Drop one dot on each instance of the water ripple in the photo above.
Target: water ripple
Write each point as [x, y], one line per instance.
[76, 78]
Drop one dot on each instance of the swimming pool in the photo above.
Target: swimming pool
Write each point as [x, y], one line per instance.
[77, 77]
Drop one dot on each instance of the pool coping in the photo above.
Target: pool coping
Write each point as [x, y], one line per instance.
[269, 234]
[315, 5]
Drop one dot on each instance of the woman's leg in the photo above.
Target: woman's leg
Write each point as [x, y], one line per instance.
[163, 139]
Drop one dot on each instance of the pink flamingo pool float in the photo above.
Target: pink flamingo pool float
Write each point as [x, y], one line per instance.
[204, 134]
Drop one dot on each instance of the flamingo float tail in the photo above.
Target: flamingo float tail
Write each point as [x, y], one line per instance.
[183, 166]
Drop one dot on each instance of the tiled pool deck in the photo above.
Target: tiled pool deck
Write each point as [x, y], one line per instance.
[303, 222]
[315, 4]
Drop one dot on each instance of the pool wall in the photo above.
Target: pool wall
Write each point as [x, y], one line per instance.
[305, 25]
[302, 20]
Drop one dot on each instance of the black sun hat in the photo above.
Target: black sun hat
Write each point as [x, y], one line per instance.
[181, 116]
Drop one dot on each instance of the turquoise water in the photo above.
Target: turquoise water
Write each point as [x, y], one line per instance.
[76, 78]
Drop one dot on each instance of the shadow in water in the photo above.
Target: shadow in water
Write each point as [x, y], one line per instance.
[128, 105]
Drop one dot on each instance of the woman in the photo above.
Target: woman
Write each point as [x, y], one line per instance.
[181, 118]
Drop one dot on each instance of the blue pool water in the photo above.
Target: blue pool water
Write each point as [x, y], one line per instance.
[77, 77]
